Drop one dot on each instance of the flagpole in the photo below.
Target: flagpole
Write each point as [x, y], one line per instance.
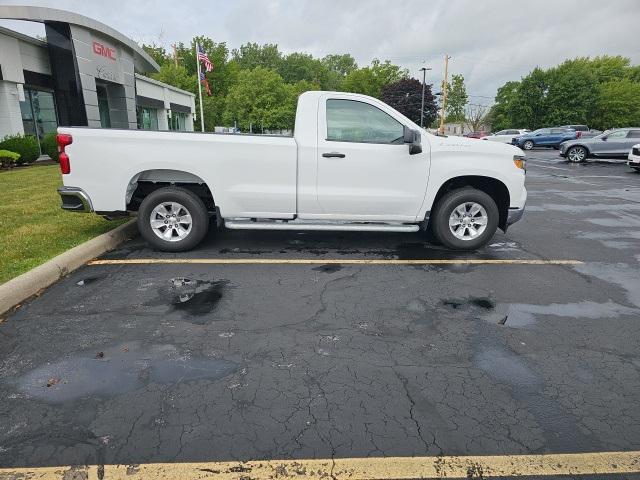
[200, 91]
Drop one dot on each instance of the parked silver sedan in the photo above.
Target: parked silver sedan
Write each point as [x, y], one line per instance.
[612, 143]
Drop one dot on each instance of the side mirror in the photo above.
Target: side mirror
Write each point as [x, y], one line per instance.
[604, 139]
[412, 137]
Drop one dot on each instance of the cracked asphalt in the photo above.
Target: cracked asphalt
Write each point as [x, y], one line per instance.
[160, 363]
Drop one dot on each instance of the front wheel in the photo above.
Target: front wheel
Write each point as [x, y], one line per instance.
[577, 154]
[465, 219]
[173, 219]
[528, 145]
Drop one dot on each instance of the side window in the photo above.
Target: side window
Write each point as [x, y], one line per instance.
[634, 134]
[353, 121]
[544, 131]
[512, 132]
[557, 131]
[618, 134]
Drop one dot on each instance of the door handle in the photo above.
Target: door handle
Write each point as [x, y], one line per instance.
[333, 155]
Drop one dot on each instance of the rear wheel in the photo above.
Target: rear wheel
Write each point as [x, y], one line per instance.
[528, 145]
[173, 219]
[465, 219]
[577, 154]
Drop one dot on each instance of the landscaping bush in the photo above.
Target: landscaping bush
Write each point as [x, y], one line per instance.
[8, 159]
[25, 145]
[50, 146]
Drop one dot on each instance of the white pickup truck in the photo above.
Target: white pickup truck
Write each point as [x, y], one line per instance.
[353, 164]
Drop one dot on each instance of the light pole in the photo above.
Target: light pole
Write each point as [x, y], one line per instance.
[424, 75]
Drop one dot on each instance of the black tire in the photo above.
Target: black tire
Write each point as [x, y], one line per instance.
[577, 154]
[528, 145]
[451, 201]
[195, 208]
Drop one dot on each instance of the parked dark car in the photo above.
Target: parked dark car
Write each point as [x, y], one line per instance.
[479, 134]
[612, 143]
[544, 137]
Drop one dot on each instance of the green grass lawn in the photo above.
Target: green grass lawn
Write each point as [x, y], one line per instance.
[33, 227]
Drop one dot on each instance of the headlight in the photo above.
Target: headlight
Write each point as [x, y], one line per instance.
[520, 162]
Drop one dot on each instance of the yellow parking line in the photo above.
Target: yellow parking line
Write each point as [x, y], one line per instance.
[317, 261]
[399, 468]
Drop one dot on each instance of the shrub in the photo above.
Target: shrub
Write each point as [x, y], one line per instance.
[50, 146]
[8, 158]
[25, 145]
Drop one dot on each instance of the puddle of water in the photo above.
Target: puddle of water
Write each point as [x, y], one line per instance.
[120, 369]
[89, 280]
[464, 303]
[195, 297]
[522, 315]
[329, 268]
[621, 274]
[506, 367]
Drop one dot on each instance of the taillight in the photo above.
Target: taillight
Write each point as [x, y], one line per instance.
[578, 134]
[63, 140]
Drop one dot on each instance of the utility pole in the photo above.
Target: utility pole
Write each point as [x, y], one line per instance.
[424, 74]
[444, 93]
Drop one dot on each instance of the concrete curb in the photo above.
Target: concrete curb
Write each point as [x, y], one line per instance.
[24, 286]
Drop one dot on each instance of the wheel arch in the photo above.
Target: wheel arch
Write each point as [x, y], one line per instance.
[143, 183]
[579, 145]
[493, 187]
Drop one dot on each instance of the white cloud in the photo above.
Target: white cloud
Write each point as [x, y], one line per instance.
[491, 42]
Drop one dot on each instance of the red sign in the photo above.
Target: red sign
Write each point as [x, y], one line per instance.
[104, 51]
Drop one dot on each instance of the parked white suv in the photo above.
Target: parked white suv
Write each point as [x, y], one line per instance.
[354, 163]
[505, 136]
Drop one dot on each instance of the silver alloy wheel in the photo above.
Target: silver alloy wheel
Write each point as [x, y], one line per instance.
[468, 221]
[528, 145]
[171, 221]
[576, 154]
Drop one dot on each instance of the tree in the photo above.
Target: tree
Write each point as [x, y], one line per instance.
[157, 52]
[296, 67]
[370, 80]
[617, 105]
[456, 99]
[252, 55]
[500, 113]
[342, 65]
[178, 76]
[261, 98]
[581, 90]
[476, 117]
[405, 95]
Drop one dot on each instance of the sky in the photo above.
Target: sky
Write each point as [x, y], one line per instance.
[490, 42]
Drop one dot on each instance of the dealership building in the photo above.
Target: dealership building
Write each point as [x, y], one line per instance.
[84, 74]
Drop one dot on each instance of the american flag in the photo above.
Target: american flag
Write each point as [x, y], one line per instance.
[208, 66]
[204, 82]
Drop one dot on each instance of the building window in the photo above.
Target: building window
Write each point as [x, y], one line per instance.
[38, 113]
[103, 106]
[177, 121]
[147, 118]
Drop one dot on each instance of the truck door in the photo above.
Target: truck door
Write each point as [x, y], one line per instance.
[364, 169]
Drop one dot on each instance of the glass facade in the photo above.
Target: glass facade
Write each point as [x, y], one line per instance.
[103, 106]
[38, 112]
[147, 118]
[177, 121]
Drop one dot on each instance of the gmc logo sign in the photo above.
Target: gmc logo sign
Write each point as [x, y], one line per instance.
[100, 49]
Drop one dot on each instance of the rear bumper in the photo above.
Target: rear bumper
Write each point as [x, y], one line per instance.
[75, 199]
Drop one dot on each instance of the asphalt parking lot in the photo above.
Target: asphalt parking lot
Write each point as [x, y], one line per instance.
[139, 363]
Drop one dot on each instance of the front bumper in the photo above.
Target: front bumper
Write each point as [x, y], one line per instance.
[75, 199]
[514, 215]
